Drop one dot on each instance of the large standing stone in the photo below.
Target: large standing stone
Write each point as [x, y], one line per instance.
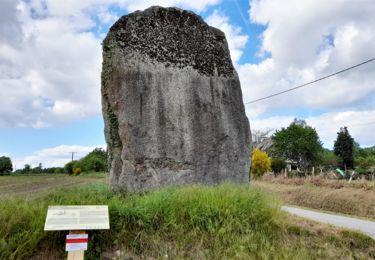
[172, 103]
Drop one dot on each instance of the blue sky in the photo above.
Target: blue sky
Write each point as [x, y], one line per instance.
[50, 62]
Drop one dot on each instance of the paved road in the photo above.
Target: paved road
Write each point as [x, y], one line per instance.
[365, 226]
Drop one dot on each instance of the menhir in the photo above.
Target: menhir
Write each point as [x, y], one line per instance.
[172, 103]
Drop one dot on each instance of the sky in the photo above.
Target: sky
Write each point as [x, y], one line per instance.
[50, 64]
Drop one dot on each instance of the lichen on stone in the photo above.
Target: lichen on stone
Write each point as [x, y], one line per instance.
[174, 37]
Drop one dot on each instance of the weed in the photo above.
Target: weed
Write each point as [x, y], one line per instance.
[215, 222]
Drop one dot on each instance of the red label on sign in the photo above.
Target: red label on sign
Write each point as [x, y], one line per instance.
[77, 240]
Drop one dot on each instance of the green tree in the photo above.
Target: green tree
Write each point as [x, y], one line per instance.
[328, 159]
[298, 143]
[366, 163]
[26, 168]
[344, 148]
[94, 161]
[38, 169]
[5, 165]
[69, 167]
[260, 163]
[278, 164]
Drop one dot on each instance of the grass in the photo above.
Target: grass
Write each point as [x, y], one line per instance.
[200, 222]
[345, 199]
[320, 181]
[37, 184]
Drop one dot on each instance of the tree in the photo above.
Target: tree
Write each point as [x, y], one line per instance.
[278, 164]
[38, 169]
[365, 164]
[5, 165]
[344, 148]
[328, 159]
[298, 143]
[69, 167]
[260, 163]
[26, 168]
[94, 161]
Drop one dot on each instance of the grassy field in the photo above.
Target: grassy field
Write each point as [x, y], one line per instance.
[356, 198]
[35, 185]
[194, 222]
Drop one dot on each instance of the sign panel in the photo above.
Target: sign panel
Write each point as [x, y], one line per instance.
[76, 242]
[77, 218]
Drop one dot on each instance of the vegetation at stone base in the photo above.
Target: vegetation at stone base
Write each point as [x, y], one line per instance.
[215, 222]
[298, 143]
[344, 148]
[6, 166]
[260, 163]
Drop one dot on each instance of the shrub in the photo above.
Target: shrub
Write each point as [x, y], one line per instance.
[94, 161]
[278, 164]
[68, 168]
[260, 163]
[76, 171]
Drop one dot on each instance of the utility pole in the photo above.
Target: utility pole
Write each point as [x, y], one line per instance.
[72, 156]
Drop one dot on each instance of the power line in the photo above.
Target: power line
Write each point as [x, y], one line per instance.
[311, 82]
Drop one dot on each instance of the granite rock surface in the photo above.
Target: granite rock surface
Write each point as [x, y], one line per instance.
[172, 103]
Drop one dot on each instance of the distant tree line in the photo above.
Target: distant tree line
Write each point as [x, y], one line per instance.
[299, 148]
[27, 169]
[95, 161]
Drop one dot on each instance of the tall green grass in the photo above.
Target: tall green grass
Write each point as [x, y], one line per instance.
[192, 216]
[215, 222]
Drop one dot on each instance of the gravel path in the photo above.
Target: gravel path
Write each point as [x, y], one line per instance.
[365, 226]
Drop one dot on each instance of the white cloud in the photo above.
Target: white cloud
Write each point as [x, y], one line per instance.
[305, 40]
[50, 57]
[54, 157]
[188, 4]
[53, 62]
[236, 39]
[328, 124]
[10, 29]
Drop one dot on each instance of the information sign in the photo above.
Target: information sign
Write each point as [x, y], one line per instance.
[77, 218]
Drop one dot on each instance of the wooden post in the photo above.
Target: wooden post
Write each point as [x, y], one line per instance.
[76, 255]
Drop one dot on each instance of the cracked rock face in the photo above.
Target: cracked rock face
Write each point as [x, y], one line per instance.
[172, 103]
